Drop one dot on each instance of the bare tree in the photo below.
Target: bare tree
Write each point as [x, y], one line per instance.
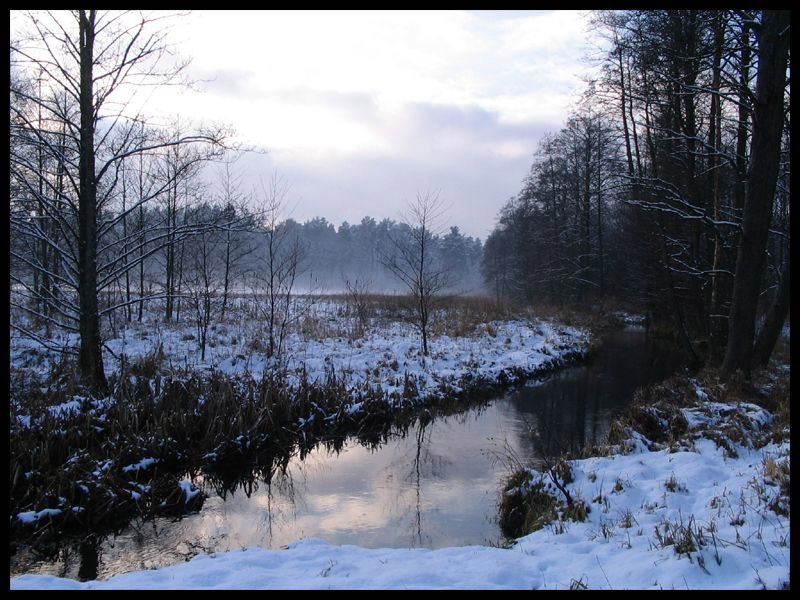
[358, 291]
[239, 242]
[202, 279]
[412, 261]
[177, 169]
[87, 58]
[765, 149]
[281, 265]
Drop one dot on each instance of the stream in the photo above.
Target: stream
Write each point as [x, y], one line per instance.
[433, 485]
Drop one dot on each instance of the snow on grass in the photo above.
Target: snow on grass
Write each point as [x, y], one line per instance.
[66, 408]
[387, 353]
[142, 464]
[189, 490]
[648, 506]
[32, 516]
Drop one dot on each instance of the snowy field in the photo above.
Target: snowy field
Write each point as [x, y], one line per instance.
[644, 505]
[323, 342]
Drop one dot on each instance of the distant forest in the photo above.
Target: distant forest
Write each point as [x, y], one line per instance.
[327, 256]
[352, 252]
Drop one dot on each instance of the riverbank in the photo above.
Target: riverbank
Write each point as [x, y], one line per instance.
[700, 502]
[87, 465]
[691, 490]
[472, 340]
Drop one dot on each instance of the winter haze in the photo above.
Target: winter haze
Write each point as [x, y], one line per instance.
[359, 111]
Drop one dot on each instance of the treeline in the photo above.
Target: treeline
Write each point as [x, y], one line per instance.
[669, 184]
[360, 251]
[192, 234]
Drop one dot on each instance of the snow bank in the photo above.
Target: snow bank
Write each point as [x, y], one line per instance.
[637, 502]
[385, 356]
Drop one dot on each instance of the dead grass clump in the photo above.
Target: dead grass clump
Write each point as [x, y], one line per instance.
[512, 508]
[774, 471]
[64, 372]
[464, 315]
[655, 413]
[673, 485]
[662, 424]
[777, 474]
[617, 434]
[772, 392]
[684, 539]
[677, 391]
[313, 327]
[627, 520]
[737, 389]
[149, 365]
[781, 396]
[359, 303]
[577, 510]
[256, 344]
[390, 307]
[721, 441]
[528, 504]
[523, 512]
[563, 471]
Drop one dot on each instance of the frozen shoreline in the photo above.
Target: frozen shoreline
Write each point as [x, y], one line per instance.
[697, 515]
[598, 553]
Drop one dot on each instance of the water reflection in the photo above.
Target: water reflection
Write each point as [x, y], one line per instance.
[433, 483]
[573, 408]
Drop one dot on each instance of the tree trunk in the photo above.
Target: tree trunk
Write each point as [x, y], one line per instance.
[744, 116]
[90, 357]
[771, 329]
[143, 239]
[226, 275]
[677, 314]
[125, 252]
[715, 140]
[760, 192]
[626, 135]
[633, 130]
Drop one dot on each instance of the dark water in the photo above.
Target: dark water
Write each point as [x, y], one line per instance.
[435, 485]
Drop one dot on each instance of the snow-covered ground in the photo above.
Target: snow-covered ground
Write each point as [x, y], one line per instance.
[384, 355]
[642, 503]
[639, 503]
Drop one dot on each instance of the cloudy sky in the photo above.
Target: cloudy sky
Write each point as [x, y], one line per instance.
[359, 111]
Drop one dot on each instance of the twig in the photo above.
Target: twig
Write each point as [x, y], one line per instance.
[604, 573]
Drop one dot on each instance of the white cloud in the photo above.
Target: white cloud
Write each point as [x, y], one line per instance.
[523, 67]
[447, 99]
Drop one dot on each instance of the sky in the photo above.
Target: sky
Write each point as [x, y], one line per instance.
[360, 111]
